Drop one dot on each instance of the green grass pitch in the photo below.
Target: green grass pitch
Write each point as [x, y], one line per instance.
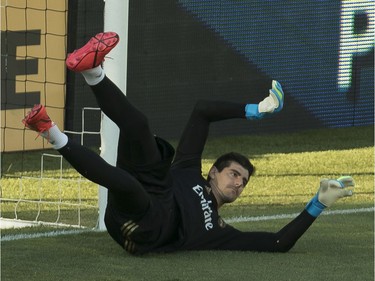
[338, 246]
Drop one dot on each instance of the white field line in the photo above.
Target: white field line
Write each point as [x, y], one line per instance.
[291, 216]
[15, 237]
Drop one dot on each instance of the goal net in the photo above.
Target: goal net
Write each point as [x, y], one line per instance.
[37, 185]
[41, 188]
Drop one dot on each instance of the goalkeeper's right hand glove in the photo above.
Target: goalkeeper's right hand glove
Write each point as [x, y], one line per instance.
[329, 192]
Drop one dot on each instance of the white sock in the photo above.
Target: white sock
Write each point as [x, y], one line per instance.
[94, 75]
[55, 137]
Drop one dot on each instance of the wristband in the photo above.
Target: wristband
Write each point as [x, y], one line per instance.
[314, 207]
[252, 112]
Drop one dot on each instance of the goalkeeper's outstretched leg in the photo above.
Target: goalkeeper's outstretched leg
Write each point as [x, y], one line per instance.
[137, 144]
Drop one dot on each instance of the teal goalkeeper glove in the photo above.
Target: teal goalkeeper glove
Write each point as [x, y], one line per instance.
[329, 192]
[271, 104]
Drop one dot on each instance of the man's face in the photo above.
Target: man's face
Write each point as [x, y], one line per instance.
[228, 184]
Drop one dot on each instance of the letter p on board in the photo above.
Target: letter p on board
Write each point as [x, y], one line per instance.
[354, 42]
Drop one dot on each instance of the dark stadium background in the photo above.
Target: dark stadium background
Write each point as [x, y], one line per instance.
[181, 51]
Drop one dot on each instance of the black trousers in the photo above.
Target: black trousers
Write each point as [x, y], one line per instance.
[137, 147]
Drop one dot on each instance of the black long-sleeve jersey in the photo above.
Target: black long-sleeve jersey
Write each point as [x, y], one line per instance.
[201, 226]
[186, 217]
[189, 220]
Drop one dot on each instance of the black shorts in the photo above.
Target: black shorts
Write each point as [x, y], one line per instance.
[159, 224]
[155, 177]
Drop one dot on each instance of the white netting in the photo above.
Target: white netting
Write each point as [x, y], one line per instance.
[53, 194]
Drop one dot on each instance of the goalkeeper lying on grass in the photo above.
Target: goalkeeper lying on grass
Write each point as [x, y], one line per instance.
[158, 200]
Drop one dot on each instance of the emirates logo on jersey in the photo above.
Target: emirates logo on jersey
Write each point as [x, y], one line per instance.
[206, 207]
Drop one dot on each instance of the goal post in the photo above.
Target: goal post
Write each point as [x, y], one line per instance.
[116, 13]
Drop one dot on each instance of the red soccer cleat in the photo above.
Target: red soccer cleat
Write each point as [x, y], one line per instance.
[92, 54]
[37, 119]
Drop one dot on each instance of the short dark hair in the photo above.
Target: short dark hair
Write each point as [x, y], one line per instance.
[226, 159]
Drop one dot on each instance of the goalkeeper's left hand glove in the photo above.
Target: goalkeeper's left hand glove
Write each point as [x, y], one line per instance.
[271, 104]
